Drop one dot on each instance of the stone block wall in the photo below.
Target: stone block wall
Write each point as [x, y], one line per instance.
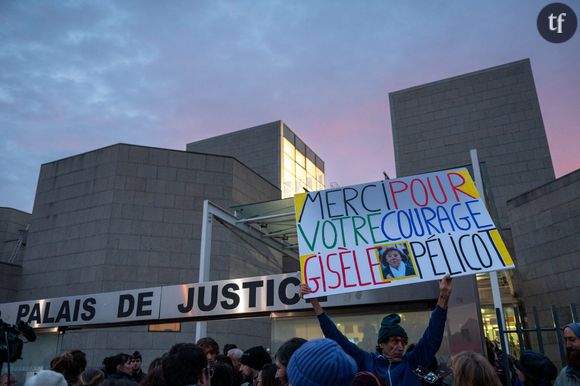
[13, 225]
[257, 147]
[495, 111]
[545, 223]
[130, 216]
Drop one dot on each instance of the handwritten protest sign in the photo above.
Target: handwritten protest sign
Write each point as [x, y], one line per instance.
[395, 232]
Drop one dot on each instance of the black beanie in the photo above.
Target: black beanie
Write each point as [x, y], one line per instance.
[390, 327]
[536, 366]
[256, 357]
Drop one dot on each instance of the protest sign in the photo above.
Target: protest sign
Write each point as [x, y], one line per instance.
[394, 232]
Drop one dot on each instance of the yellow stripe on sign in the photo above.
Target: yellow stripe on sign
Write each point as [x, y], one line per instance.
[299, 200]
[499, 244]
[468, 187]
[302, 263]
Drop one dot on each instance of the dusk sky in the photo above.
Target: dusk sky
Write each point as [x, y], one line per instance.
[79, 75]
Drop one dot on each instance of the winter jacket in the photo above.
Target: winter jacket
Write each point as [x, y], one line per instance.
[395, 374]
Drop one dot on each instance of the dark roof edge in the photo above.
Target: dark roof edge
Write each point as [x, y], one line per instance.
[522, 196]
[279, 121]
[469, 74]
[17, 210]
[161, 148]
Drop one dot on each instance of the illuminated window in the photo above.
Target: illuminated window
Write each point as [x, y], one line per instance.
[310, 168]
[320, 179]
[289, 163]
[310, 182]
[288, 148]
[165, 327]
[300, 174]
[300, 159]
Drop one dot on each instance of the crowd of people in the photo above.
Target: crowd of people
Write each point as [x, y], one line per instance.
[331, 361]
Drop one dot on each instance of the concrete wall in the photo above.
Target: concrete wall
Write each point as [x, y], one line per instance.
[545, 224]
[130, 217]
[257, 147]
[9, 281]
[495, 110]
[13, 224]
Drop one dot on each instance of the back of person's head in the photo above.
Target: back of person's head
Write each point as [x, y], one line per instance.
[288, 348]
[366, 378]
[228, 347]
[536, 367]
[184, 364]
[471, 368]
[256, 357]
[221, 358]
[235, 353]
[80, 360]
[70, 364]
[46, 378]
[221, 374]
[112, 362]
[91, 377]
[268, 375]
[155, 363]
[62, 363]
[154, 377]
[320, 362]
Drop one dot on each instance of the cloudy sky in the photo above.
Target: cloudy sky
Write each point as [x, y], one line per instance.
[79, 75]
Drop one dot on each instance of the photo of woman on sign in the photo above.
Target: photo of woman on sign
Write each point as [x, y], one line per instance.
[395, 263]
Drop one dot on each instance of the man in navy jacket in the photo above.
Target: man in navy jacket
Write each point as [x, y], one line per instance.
[391, 363]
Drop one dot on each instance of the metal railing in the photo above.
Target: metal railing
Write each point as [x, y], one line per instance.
[538, 330]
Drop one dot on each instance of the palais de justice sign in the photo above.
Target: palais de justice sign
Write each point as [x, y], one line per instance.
[395, 232]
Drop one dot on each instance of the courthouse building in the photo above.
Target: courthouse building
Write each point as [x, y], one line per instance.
[128, 217]
[496, 111]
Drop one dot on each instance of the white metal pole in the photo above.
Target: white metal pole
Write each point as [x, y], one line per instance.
[495, 293]
[204, 260]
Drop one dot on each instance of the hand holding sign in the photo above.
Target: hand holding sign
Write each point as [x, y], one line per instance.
[444, 291]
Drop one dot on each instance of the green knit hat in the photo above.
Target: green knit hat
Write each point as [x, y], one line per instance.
[390, 327]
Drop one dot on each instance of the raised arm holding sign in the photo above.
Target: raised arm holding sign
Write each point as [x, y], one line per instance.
[390, 361]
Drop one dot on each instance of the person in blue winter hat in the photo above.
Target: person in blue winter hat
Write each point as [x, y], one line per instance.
[390, 361]
[320, 362]
[570, 375]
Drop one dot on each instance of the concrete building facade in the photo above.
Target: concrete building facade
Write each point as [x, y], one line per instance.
[13, 232]
[273, 151]
[545, 223]
[495, 111]
[129, 216]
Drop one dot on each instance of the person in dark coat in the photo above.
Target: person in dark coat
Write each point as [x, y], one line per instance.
[119, 367]
[253, 360]
[534, 369]
[136, 362]
[390, 361]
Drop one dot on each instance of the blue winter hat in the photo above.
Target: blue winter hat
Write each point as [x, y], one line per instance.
[574, 327]
[320, 362]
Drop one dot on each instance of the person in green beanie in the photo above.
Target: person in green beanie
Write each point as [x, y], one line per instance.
[390, 361]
